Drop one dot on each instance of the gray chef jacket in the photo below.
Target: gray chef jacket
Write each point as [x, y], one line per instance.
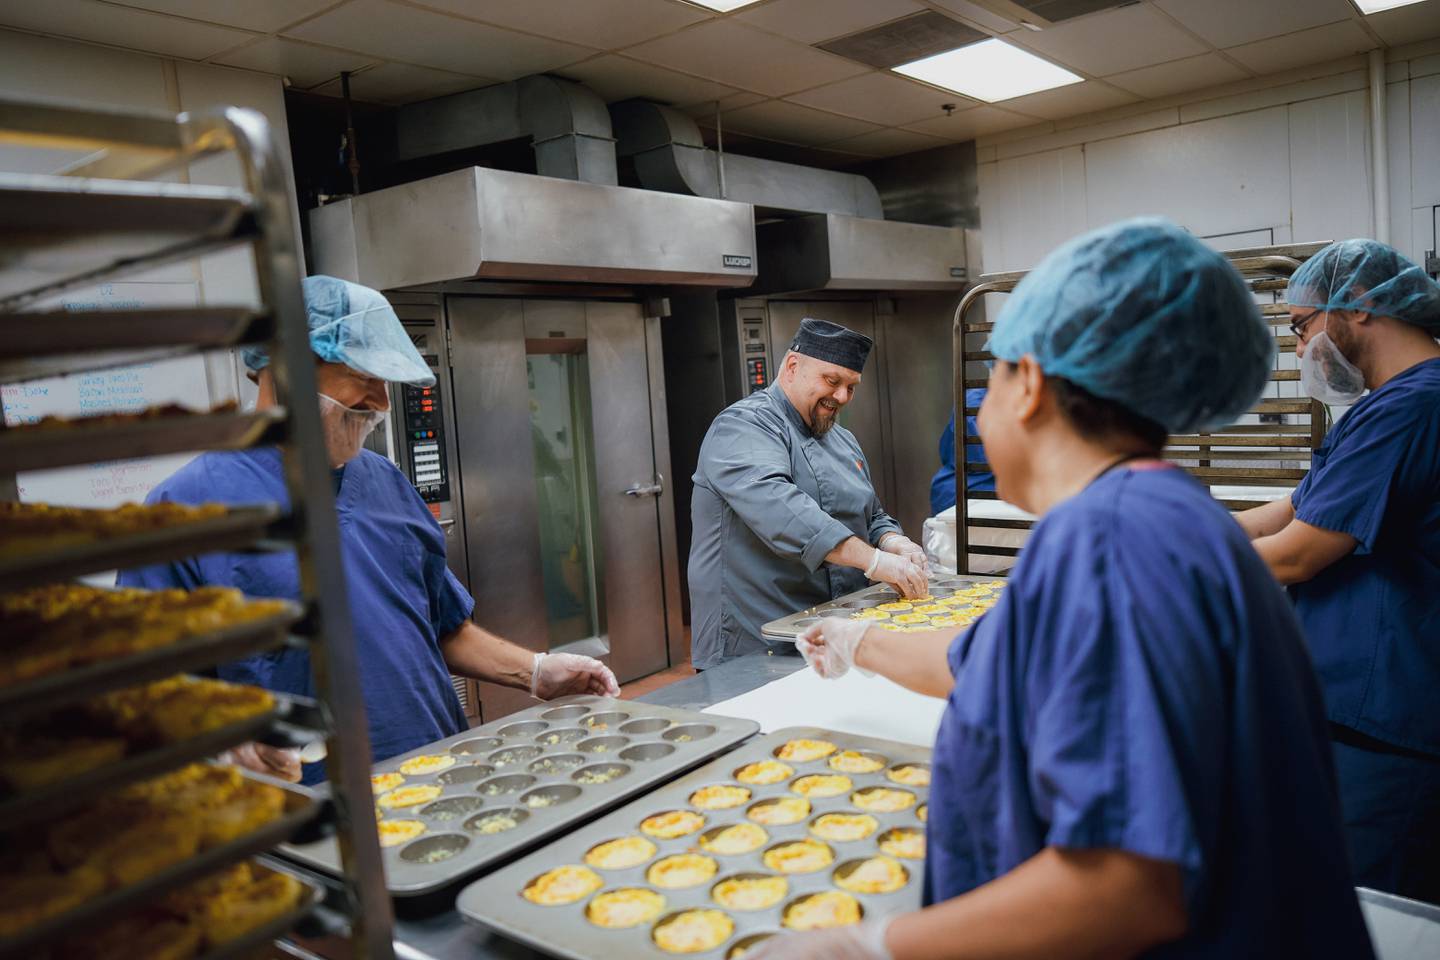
[771, 500]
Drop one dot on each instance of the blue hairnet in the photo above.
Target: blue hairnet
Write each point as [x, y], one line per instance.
[1143, 314]
[1369, 276]
[356, 326]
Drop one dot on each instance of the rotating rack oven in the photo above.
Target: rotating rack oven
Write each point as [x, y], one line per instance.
[118, 828]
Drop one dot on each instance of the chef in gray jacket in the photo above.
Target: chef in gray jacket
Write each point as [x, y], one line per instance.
[784, 513]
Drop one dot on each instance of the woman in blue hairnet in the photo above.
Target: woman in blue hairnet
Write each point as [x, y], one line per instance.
[1359, 543]
[1132, 760]
[411, 617]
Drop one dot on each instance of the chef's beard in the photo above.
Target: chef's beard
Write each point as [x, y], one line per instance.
[822, 418]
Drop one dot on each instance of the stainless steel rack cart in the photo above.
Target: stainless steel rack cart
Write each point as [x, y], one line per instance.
[1232, 455]
[105, 218]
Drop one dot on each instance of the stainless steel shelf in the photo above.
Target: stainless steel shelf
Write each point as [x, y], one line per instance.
[238, 528]
[101, 438]
[51, 342]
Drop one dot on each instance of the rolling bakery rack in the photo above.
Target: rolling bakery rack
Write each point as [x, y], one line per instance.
[1272, 452]
[107, 217]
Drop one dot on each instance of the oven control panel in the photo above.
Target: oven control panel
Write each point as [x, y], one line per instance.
[754, 354]
[422, 431]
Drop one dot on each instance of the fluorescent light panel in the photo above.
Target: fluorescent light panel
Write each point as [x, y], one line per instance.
[1368, 7]
[723, 6]
[990, 70]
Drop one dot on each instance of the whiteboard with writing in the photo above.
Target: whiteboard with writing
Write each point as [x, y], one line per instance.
[120, 390]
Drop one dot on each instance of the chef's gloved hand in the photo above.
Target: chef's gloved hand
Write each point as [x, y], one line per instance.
[829, 646]
[862, 941]
[562, 674]
[280, 762]
[903, 546]
[900, 572]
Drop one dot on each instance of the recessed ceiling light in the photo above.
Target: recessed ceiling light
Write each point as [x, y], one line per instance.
[723, 6]
[1368, 7]
[990, 70]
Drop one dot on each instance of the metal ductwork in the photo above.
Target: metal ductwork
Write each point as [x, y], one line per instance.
[567, 123]
[669, 155]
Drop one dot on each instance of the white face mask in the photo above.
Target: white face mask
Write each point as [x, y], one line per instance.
[345, 428]
[1327, 375]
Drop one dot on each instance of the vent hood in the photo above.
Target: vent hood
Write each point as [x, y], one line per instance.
[496, 224]
[834, 252]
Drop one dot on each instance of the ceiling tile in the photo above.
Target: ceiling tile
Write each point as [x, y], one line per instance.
[1071, 101]
[614, 77]
[1308, 46]
[266, 16]
[812, 20]
[429, 39]
[122, 27]
[969, 124]
[978, 16]
[304, 64]
[1178, 76]
[734, 53]
[1227, 23]
[402, 83]
[704, 111]
[609, 24]
[791, 123]
[882, 98]
[1113, 41]
[887, 143]
[1404, 25]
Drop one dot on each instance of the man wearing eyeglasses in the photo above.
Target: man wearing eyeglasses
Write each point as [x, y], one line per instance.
[1358, 543]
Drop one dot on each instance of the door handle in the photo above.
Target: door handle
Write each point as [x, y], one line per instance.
[446, 524]
[651, 489]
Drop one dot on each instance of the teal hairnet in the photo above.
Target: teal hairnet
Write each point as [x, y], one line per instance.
[356, 326]
[1143, 314]
[1369, 276]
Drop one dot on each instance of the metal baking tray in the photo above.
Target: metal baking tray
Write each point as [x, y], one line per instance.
[301, 806]
[100, 438]
[496, 902]
[239, 527]
[245, 944]
[652, 743]
[45, 693]
[941, 585]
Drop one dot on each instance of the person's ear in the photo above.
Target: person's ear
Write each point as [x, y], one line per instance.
[1031, 389]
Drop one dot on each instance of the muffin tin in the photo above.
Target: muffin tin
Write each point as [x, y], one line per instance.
[547, 768]
[941, 585]
[497, 901]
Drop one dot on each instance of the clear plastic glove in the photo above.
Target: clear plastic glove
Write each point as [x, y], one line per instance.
[830, 645]
[863, 941]
[279, 762]
[562, 674]
[900, 572]
[903, 546]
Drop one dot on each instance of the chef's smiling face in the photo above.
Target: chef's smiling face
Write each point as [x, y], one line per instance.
[818, 389]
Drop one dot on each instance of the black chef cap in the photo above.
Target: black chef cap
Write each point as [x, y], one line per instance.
[832, 343]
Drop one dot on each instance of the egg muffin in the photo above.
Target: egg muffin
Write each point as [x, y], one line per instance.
[870, 613]
[626, 907]
[911, 619]
[418, 766]
[764, 772]
[896, 606]
[822, 785]
[929, 608]
[750, 892]
[408, 796]
[562, 885]
[803, 751]
[735, 839]
[910, 774]
[720, 796]
[778, 811]
[853, 761]
[681, 870]
[381, 782]
[620, 854]
[819, 910]
[922, 812]
[799, 856]
[844, 827]
[874, 875]
[883, 799]
[395, 832]
[672, 824]
[693, 931]
[905, 842]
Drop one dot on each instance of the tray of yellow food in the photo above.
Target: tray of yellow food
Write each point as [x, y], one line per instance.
[953, 601]
[64, 442]
[800, 829]
[458, 806]
[40, 543]
[62, 759]
[225, 915]
[133, 845]
[67, 642]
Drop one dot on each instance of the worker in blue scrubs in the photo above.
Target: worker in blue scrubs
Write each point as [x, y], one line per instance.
[1359, 544]
[942, 485]
[411, 617]
[1133, 758]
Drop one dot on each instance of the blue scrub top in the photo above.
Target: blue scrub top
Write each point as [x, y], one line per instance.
[403, 598]
[942, 486]
[1373, 617]
[1142, 686]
